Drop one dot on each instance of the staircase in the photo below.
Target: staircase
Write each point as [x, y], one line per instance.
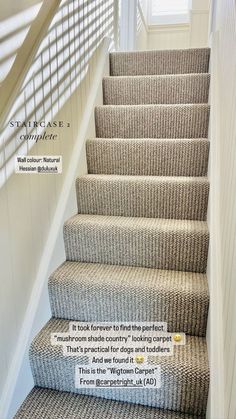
[137, 249]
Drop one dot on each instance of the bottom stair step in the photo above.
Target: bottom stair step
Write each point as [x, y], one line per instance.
[43, 403]
[184, 375]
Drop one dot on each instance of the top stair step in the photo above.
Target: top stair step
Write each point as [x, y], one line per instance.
[182, 61]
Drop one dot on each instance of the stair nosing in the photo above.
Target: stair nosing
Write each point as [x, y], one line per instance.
[140, 178]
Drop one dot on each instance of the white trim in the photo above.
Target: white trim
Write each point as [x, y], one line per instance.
[128, 25]
[199, 12]
[116, 24]
[216, 400]
[169, 28]
[169, 19]
[33, 320]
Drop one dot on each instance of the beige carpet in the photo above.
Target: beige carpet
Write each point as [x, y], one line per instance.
[137, 249]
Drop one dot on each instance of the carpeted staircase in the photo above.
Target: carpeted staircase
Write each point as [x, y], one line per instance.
[137, 249]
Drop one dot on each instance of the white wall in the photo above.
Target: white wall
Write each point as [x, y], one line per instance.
[199, 23]
[175, 36]
[168, 37]
[33, 207]
[222, 212]
[12, 34]
[20, 25]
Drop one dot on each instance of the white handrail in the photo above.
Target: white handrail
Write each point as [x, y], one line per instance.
[14, 80]
[140, 9]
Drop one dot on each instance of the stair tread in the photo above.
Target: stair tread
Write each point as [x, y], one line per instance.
[186, 358]
[133, 223]
[185, 374]
[157, 76]
[131, 277]
[153, 140]
[156, 89]
[157, 106]
[194, 60]
[91, 291]
[143, 178]
[45, 403]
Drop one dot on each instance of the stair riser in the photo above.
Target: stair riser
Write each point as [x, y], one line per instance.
[159, 62]
[152, 121]
[153, 199]
[150, 248]
[148, 157]
[156, 90]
